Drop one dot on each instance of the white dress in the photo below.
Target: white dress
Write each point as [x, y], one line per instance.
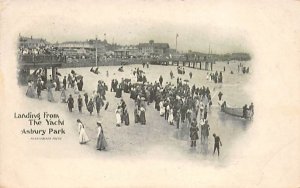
[162, 108]
[118, 116]
[171, 118]
[83, 138]
[76, 91]
[30, 90]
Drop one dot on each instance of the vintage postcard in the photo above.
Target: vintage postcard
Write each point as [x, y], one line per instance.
[135, 93]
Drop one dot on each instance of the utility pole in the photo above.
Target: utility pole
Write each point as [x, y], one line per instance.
[176, 41]
[96, 52]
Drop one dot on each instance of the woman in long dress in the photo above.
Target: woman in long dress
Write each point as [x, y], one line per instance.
[76, 91]
[171, 117]
[83, 138]
[98, 102]
[118, 116]
[143, 116]
[119, 92]
[101, 141]
[126, 117]
[70, 103]
[39, 87]
[162, 108]
[50, 94]
[90, 106]
[63, 96]
[30, 90]
[136, 114]
[194, 133]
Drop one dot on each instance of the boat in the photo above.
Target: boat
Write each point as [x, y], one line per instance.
[238, 112]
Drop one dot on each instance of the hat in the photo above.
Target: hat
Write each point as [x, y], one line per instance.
[99, 122]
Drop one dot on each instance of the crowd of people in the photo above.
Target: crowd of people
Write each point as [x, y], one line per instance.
[243, 69]
[215, 77]
[74, 82]
[181, 105]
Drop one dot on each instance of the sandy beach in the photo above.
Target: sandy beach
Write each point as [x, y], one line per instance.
[157, 136]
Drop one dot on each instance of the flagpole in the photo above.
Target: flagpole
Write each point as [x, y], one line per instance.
[96, 52]
[176, 42]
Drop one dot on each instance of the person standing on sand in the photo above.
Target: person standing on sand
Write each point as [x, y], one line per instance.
[101, 141]
[90, 106]
[205, 112]
[171, 117]
[70, 103]
[177, 119]
[69, 80]
[194, 133]
[49, 89]
[65, 82]
[98, 103]
[80, 103]
[76, 91]
[136, 114]
[86, 99]
[63, 96]
[220, 94]
[171, 75]
[143, 115]
[126, 117]
[30, 90]
[206, 129]
[161, 79]
[39, 87]
[118, 116]
[202, 127]
[217, 145]
[83, 138]
[245, 110]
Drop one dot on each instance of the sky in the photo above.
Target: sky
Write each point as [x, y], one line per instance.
[132, 22]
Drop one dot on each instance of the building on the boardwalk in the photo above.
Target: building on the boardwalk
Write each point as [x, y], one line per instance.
[127, 52]
[30, 42]
[79, 49]
[153, 49]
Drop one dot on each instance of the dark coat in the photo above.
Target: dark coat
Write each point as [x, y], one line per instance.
[79, 102]
[126, 117]
[143, 118]
[194, 133]
[70, 102]
[90, 106]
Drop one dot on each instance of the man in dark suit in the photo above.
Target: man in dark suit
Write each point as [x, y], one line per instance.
[218, 143]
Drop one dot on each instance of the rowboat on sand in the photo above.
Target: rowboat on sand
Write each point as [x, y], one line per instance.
[238, 112]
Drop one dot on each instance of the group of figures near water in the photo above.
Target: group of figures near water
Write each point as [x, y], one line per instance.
[180, 104]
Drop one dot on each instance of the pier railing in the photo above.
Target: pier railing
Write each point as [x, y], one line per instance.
[36, 61]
